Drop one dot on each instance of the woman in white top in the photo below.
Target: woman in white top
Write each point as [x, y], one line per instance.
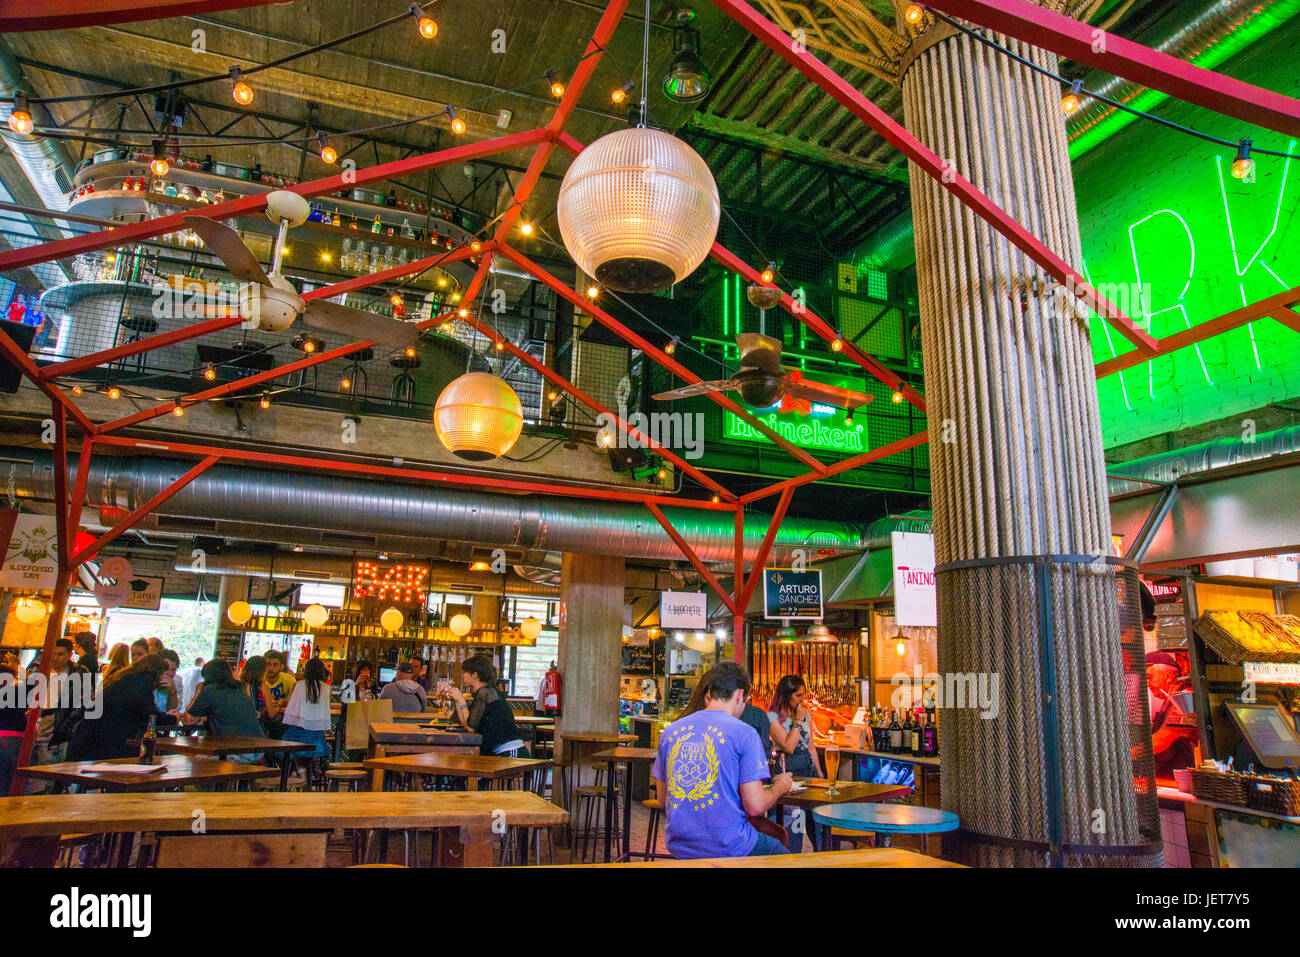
[307, 716]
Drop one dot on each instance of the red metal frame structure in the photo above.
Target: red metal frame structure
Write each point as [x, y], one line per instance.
[1015, 17]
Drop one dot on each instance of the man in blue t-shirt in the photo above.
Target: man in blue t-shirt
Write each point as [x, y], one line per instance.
[711, 766]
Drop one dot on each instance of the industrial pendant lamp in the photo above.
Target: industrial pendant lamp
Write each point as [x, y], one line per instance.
[819, 634]
[686, 80]
[478, 417]
[638, 210]
[785, 635]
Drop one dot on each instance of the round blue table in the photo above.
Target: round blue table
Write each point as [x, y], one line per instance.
[885, 820]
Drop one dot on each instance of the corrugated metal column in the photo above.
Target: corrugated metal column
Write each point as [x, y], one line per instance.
[1018, 477]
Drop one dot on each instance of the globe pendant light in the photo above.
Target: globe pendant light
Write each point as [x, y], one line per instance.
[460, 625]
[638, 210]
[239, 612]
[29, 610]
[478, 417]
[530, 628]
[315, 615]
[392, 619]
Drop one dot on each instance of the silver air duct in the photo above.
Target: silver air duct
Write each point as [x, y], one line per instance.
[531, 522]
[1216, 454]
[45, 161]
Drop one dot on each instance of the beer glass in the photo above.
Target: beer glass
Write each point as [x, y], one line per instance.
[832, 767]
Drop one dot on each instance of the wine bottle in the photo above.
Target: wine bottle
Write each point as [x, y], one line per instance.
[916, 737]
[895, 734]
[930, 739]
[149, 745]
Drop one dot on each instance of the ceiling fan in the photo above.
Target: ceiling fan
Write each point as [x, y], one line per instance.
[269, 301]
[762, 381]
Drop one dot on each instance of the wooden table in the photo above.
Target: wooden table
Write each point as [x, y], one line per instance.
[472, 767]
[222, 745]
[867, 857]
[817, 794]
[533, 719]
[391, 738]
[30, 826]
[587, 738]
[885, 820]
[624, 756]
[178, 771]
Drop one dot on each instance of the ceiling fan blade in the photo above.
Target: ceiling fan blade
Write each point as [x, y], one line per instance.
[229, 248]
[698, 388]
[759, 352]
[357, 324]
[827, 394]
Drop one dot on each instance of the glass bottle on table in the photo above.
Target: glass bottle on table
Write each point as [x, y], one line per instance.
[149, 744]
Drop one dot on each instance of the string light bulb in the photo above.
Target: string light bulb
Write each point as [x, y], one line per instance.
[76, 390]
[345, 383]
[475, 246]
[396, 299]
[897, 396]
[501, 344]
[1072, 100]
[593, 292]
[159, 165]
[837, 344]
[178, 410]
[901, 648]
[209, 373]
[427, 26]
[328, 154]
[114, 392]
[914, 13]
[20, 117]
[671, 347]
[239, 89]
[457, 124]
[526, 228]
[410, 352]
[463, 312]
[848, 416]
[557, 88]
[769, 273]
[663, 474]
[552, 395]
[715, 499]
[264, 401]
[1243, 165]
[620, 94]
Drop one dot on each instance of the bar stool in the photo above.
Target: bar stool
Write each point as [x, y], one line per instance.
[356, 374]
[403, 390]
[135, 328]
[353, 778]
[652, 832]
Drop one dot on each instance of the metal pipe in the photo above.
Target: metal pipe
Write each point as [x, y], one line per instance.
[1216, 454]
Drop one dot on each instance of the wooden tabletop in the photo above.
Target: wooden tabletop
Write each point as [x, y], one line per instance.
[178, 770]
[457, 765]
[599, 737]
[386, 732]
[849, 792]
[626, 754]
[56, 814]
[869, 857]
[533, 719]
[229, 744]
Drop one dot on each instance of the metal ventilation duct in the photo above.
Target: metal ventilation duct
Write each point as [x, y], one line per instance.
[44, 160]
[1217, 454]
[530, 522]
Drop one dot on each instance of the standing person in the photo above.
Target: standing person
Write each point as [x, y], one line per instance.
[87, 651]
[488, 715]
[226, 705]
[1173, 745]
[139, 648]
[154, 644]
[418, 673]
[792, 735]
[119, 657]
[13, 722]
[711, 768]
[127, 707]
[57, 713]
[307, 713]
[404, 692]
[277, 686]
[190, 679]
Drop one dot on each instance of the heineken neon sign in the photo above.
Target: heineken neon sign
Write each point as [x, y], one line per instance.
[806, 431]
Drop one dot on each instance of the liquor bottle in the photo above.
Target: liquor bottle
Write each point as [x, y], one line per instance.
[930, 739]
[895, 734]
[336, 221]
[345, 255]
[407, 231]
[359, 257]
[376, 226]
[916, 736]
[353, 223]
[150, 742]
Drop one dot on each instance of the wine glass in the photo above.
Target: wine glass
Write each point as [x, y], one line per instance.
[832, 767]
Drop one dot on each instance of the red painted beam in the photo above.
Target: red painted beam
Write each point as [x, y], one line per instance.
[369, 470]
[1275, 306]
[818, 325]
[931, 164]
[18, 16]
[765, 549]
[661, 357]
[1111, 53]
[82, 363]
[118, 235]
[23, 361]
[73, 505]
[857, 461]
[694, 559]
[125, 524]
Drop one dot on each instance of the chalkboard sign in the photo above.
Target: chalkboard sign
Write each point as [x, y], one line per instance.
[230, 647]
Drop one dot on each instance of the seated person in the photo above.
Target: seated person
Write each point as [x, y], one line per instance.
[405, 693]
[489, 715]
[228, 709]
[128, 705]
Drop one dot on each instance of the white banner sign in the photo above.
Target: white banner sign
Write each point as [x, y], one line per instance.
[1272, 672]
[914, 593]
[684, 609]
[32, 559]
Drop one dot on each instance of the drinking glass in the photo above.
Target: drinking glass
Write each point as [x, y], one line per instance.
[832, 768]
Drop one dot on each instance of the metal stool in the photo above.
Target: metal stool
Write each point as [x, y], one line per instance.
[403, 390]
[356, 374]
[652, 832]
[136, 328]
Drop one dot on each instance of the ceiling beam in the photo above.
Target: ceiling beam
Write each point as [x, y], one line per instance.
[18, 16]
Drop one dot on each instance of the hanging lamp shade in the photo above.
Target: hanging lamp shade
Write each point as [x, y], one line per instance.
[315, 615]
[821, 635]
[392, 619]
[687, 81]
[478, 417]
[785, 635]
[638, 210]
[530, 628]
[29, 610]
[239, 612]
[460, 625]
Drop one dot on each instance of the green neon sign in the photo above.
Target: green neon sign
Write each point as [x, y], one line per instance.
[806, 431]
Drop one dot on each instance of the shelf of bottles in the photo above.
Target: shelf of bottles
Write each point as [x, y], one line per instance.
[351, 624]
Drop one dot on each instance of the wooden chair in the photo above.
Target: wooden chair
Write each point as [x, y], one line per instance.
[306, 849]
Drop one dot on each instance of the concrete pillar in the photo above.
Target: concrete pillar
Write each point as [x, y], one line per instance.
[230, 636]
[1017, 471]
[591, 643]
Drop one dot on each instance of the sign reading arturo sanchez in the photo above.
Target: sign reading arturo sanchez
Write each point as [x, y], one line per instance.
[791, 594]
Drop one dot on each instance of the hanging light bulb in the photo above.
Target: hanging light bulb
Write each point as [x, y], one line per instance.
[671, 347]
[76, 390]
[396, 299]
[897, 397]
[328, 154]
[264, 401]
[620, 94]
[178, 410]
[837, 344]
[159, 165]
[557, 88]
[475, 246]
[463, 312]
[20, 117]
[114, 392]
[239, 612]
[501, 344]
[457, 124]
[552, 395]
[1243, 165]
[526, 228]
[593, 292]
[345, 383]
[716, 500]
[427, 26]
[901, 648]
[209, 372]
[914, 13]
[848, 416]
[240, 90]
[1072, 100]
[315, 615]
[769, 273]
[410, 352]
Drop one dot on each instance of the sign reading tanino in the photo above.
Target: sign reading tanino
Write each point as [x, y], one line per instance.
[914, 591]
